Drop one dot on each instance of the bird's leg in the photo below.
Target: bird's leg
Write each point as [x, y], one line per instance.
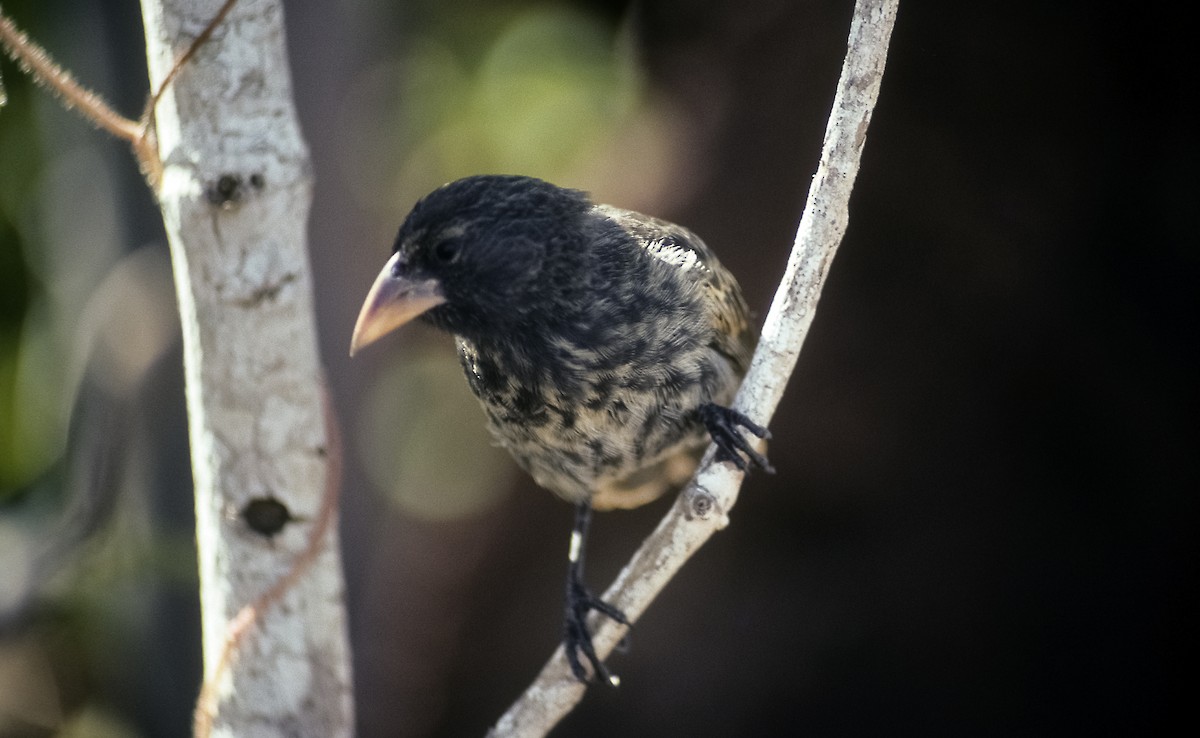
[576, 636]
[723, 424]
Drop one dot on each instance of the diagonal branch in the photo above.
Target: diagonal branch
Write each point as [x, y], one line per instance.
[140, 133]
[44, 70]
[703, 506]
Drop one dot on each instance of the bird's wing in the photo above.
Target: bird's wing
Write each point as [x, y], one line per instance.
[722, 297]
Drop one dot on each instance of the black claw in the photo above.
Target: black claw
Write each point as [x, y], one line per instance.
[723, 425]
[623, 645]
[577, 638]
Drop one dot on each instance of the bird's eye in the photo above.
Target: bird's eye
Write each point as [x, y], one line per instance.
[446, 252]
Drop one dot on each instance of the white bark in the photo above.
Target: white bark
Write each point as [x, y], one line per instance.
[703, 507]
[235, 192]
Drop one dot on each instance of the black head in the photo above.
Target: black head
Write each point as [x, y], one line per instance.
[473, 255]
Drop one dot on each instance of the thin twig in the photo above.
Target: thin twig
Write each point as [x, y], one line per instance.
[240, 625]
[140, 133]
[184, 58]
[703, 507]
[44, 70]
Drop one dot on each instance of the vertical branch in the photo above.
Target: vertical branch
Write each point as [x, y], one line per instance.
[703, 507]
[234, 190]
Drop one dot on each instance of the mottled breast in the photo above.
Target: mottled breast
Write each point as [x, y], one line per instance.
[606, 404]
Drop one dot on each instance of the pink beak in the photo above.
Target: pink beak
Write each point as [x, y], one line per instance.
[392, 302]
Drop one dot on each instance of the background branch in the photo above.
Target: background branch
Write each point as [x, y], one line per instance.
[703, 507]
[43, 70]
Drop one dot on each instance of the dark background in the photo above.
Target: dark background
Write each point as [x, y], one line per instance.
[981, 522]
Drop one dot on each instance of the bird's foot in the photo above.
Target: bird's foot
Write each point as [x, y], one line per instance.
[577, 639]
[723, 424]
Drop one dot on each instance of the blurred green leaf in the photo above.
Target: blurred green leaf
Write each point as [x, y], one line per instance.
[533, 91]
[96, 722]
[423, 439]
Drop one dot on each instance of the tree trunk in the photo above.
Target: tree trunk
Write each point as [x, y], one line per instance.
[235, 191]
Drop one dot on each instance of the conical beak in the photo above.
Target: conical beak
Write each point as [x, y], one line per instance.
[392, 302]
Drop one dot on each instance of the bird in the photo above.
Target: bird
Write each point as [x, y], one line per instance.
[604, 346]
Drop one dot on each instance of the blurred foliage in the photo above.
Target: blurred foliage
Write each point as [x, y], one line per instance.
[20, 154]
[505, 88]
[61, 232]
[422, 437]
[95, 722]
[85, 559]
